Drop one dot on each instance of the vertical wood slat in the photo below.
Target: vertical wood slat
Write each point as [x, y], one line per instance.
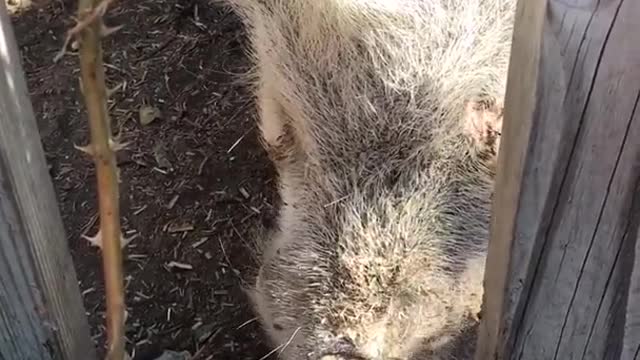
[563, 274]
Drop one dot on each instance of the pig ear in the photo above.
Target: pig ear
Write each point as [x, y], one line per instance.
[284, 135]
[483, 126]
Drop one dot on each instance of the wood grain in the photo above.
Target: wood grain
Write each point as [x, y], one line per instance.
[565, 216]
[41, 311]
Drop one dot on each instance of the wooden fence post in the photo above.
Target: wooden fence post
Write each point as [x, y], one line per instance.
[41, 310]
[563, 269]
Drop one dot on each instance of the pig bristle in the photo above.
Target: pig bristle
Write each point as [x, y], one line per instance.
[382, 235]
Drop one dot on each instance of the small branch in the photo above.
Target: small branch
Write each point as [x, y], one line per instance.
[91, 14]
[89, 30]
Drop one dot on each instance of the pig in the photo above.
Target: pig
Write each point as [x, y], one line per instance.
[383, 119]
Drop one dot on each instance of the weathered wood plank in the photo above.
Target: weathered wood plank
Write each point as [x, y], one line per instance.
[567, 204]
[631, 342]
[41, 311]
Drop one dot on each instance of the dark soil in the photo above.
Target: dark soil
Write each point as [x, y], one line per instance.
[195, 182]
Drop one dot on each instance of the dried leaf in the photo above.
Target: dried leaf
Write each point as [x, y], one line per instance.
[148, 114]
[161, 157]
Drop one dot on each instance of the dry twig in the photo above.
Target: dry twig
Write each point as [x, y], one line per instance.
[87, 16]
[89, 30]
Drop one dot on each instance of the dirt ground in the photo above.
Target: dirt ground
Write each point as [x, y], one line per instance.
[195, 182]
